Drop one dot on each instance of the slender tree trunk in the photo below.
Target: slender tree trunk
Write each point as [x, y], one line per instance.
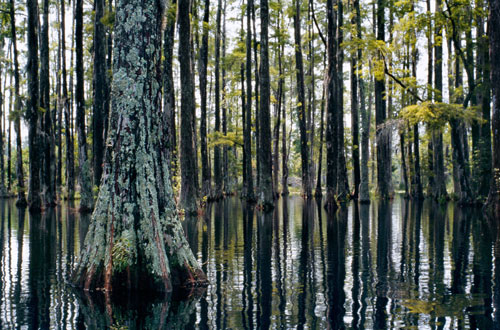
[202, 69]
[404, 169]
[47, 126]
[484, 101]
[34, 198]
[85, 179]
[256, 96]
[279, 106]
[3, 192]
[135, 240]
[493, 203]
[9, 142]
[248, 193]
[188, 195]
[364, 189]
[342, 181]
[332, 144]
[284, 153]
[384, 170]
[318, 193]
[301, 106]
[225, 174]
[169, 90]
[355, 115]
[218, 185]
[100, 90]
[70, 166]
[439, 189]
[266, 183]
[21, 197]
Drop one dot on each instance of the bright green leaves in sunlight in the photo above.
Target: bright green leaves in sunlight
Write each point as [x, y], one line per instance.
[437, 114]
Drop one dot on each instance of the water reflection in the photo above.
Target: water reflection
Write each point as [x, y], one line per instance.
[386, 265]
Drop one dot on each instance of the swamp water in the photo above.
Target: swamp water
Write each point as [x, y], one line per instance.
[383, 265]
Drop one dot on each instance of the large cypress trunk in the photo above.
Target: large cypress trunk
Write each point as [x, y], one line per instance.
[135, 239]
[86, 201]
[188, 194]
[493, 203]
[266, 184]
[34, 198]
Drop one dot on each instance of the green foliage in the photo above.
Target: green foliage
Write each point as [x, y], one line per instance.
[122, 252]
[229, 140]
[437, 114]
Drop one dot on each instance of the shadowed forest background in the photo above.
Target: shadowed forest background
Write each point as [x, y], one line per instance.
[149, 113]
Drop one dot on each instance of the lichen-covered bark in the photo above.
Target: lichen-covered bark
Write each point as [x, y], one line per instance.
[86, 198]
[135, 239]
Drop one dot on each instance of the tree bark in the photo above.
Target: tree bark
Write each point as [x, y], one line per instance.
[188, 194]
[332, 144]
[135, 239]
[342, 181]
[355, 113]
[100, 90]
[279, 106]
[169, 91]
[48, 134]
[218, 185]
[266, 184]
[21, 197]
[301, 106]
[34, 198]
[247, 192]
[493, 203]
[70, 163]
[84, 177]
[202, 69]
[384, 170]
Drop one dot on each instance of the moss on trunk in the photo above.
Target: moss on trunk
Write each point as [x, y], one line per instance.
[135, 239]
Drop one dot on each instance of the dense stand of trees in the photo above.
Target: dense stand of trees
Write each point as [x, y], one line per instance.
[249, 108]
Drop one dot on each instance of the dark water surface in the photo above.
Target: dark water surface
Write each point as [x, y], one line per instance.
[384, 265]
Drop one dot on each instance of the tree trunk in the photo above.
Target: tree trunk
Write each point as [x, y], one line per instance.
[188, 194]
[355, 114]
[48, 135]
[301, 106]
[364, 190]
[34, 198]
[70, 163]
[404, 169]
[384, 170]
[225, 174]
[439, 184]
[342, 181]
[318, 193]
[100, 91]
[21, 197]
[202, 69]
[284, 153]
[493, 203]
[332, 144]
[135, 239]
[3, 131]
[169, 91]
[484, 101]
[218, 186]
[266, 184]
[59, 110]
[279, 106]
[86, 198]
[247, 192]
